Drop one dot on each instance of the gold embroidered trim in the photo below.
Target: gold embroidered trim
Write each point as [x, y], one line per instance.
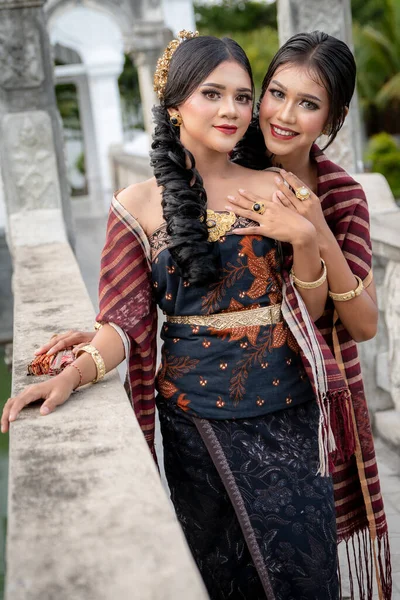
[266, 315]
[219, 224]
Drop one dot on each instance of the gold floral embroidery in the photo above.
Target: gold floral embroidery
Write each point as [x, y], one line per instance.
[219, 223]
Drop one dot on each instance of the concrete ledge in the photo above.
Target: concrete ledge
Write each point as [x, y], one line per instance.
[88, 517]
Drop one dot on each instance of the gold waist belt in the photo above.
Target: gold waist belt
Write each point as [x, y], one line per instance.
[266, 315]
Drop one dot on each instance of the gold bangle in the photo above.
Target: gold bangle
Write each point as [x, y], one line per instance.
[98, 325]
[97, 358]
[309, 285]
[348, 295]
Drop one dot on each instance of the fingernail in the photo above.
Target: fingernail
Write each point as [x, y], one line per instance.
[231, 197]
[242, 191]
[11, 418]
[283, 171]
[3, 429]
[45, 410]
[228, 207]
[278, 180]
[49, 351]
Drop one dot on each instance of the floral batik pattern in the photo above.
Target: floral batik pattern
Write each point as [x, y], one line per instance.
[239, 371]
[237, 484]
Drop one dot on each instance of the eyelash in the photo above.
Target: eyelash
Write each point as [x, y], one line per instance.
[246, 97]
[312, 105]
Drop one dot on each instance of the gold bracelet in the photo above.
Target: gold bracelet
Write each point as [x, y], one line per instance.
[97, 358]
[309, 285]
[348, 295]
[98, 325]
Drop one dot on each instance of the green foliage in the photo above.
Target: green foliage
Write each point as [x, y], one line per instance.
[67, 101]
[128, 84]
[383, 156]
[234, 15]
[80, 164]
[367, 11]
[377, 51]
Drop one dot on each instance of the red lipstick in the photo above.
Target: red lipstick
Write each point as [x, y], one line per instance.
[227, 129]
[282, 133]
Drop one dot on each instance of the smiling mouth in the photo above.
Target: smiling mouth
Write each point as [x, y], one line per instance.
[283, 133]
[227, 129]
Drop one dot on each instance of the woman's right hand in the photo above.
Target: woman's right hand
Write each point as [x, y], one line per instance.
[54, 392]
[61, 341]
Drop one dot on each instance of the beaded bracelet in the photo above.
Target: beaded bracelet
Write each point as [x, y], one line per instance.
[80, 374]
[97, 358]
[309, 285]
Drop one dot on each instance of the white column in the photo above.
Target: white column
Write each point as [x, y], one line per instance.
[106, 118]
[145, 62]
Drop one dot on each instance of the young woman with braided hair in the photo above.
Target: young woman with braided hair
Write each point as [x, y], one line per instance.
[252, 405]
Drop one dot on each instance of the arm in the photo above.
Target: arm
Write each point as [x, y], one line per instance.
[346, 251]
[307, 266]
[359, 315]
[58, 389]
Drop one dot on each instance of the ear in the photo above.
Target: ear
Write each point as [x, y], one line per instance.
[172, 110]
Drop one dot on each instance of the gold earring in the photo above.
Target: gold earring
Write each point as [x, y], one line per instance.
[175, 119]
[326, 130]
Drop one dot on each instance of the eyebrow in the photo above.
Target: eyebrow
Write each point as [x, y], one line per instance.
[223, 87]
[300, 95]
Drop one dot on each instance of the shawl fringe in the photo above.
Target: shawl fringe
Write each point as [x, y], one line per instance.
[364, 555]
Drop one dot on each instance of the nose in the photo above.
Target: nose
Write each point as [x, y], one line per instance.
[287, 113]
[228, 108]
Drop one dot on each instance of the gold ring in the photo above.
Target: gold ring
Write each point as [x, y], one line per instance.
[258, 207]
[302, 193]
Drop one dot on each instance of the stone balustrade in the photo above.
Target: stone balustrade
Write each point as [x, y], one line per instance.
[88, 517]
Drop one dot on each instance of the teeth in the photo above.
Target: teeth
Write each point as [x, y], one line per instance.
[283, 132]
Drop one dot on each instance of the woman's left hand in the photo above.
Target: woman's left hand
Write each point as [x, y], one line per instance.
[309, 207]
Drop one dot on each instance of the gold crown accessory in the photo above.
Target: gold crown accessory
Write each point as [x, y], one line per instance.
[161, 74]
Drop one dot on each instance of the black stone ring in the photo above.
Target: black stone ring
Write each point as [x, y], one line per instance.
[258, 207]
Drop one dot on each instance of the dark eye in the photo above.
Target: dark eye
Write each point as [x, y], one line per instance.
[277, 94]
[243, 98]
[211, 94]
[309, 105]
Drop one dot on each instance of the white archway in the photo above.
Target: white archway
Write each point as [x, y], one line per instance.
[96, 37]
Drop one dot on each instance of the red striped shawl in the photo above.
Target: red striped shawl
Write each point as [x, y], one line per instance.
[329, 353]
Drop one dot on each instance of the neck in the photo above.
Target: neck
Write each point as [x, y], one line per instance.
[210, 163]
[300, 164]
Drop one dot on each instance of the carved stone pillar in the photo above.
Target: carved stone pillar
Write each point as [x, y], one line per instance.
[31, 147]
[333, 17]
[149, 41]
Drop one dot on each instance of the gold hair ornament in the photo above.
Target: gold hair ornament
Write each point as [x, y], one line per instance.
[161, 74]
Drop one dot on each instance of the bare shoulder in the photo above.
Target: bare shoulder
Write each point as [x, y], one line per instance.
[137, 195]
[143, 201]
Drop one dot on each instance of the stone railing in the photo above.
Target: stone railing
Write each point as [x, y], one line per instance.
[87, 514]
[380, 356]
